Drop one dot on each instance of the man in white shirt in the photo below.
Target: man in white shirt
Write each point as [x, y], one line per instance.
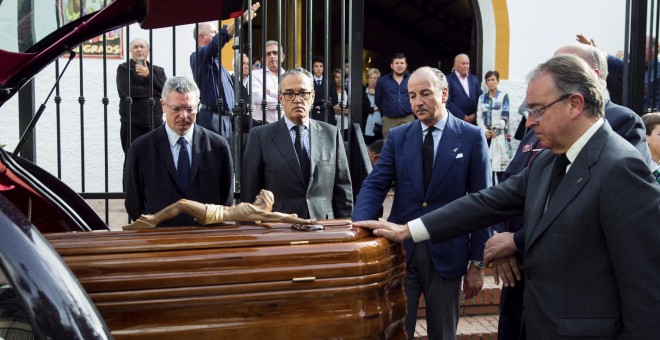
[273, 71]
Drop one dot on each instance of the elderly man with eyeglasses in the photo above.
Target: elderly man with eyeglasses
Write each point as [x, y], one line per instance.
[178, 160]
[302, 161]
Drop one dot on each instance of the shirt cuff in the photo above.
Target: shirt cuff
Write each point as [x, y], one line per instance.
[418, 230]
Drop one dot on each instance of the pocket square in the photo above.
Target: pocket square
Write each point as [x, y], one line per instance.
[460, 155]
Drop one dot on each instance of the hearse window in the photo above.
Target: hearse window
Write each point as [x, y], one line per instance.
[18, 17]
[14, 325]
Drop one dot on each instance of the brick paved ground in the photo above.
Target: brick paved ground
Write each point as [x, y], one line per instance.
[480, 327]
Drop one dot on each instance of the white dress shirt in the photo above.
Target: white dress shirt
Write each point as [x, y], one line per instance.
[271, 95]
[175, 147]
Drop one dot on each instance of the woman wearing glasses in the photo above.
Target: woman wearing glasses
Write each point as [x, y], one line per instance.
[493, 119]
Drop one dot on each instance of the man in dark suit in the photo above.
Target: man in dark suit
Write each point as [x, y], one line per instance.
[139, 115]
[459, 163]
[178, 160]
[464, 90]
[591, 208]
[622, 120]
[301, 160]
[318, 107]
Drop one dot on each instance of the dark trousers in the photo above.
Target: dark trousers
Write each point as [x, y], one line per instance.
[441, 296]
[135, 132]
[211, 120]
[511, 311]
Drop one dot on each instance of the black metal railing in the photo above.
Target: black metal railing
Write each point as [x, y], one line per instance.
[338, 35]
[278, 18]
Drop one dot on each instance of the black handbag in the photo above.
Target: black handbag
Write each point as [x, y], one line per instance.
[378, 130]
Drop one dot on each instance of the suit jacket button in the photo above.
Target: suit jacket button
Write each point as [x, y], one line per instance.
[425, 204]
[528, 276]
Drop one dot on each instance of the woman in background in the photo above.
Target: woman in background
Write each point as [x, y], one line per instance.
[493, 119]
[372, 123]
[339, 100]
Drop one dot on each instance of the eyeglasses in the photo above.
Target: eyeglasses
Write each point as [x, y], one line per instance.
[536, 113]
[188, 109]
[292, 95]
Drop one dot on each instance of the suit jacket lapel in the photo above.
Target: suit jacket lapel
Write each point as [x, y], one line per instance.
[574, 181]
[448, 149]
[163, 146]
[316, 142]
[282, 141]
[198, 146]
[414, 160]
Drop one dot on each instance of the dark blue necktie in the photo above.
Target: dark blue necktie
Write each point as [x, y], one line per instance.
[428, 156]
[183, 164]
[303, 157]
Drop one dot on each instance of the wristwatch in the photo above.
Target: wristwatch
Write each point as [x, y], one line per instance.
[478, 264]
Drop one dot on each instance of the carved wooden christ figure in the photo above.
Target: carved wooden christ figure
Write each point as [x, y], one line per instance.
[259, 211]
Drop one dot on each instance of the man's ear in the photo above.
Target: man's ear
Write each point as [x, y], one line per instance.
[577, 104]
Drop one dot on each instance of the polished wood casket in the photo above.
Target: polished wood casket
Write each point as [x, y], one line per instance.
[241, 282]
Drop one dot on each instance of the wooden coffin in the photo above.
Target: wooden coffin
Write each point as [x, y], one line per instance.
[241, 282]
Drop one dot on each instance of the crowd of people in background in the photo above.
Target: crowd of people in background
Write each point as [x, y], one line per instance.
[442, 142]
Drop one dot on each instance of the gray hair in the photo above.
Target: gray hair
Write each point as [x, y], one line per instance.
[181, 85]
[139, 39]
[204, 28]
[571, 74]
[274, 42]
[438, 78]
[298, 70]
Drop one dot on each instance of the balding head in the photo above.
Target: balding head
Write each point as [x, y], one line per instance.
[593, 56]
[204, 32]
[462, 64]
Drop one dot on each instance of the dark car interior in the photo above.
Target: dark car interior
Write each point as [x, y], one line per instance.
[14, 325]
[47, 202]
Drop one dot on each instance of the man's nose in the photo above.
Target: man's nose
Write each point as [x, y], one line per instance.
[529, 122]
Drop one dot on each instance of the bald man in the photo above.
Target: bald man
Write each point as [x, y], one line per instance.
[212, 78]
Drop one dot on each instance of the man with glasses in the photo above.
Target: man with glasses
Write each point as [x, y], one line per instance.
[302, 161]
[622, 120]
[591, 208]
[268, 97]
[178, 160]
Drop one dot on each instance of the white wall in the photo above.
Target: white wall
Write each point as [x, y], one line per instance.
[538, 28]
